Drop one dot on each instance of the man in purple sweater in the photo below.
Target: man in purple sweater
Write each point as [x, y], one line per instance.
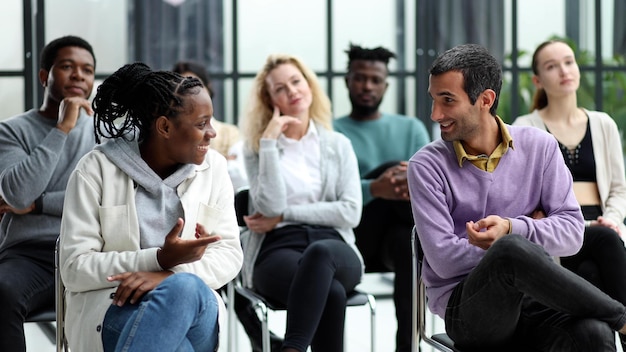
[492, 203]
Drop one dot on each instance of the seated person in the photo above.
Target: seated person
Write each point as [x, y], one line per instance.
[227, 134]
[304, 189]
[149, 229]
[38, 151]
[383, 143]
[589, 141]
[487, 261]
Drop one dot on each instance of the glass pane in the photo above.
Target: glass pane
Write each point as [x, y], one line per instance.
[102, 23]
[535, 26]
[614, 33]
[524, 95]
[245, 91]
[281, 26]
[11, 96]
[367, 23]
[12, 35]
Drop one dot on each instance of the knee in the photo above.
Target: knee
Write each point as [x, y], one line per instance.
[317, 252]
[512, 247]
[591, 335]
[188, 283]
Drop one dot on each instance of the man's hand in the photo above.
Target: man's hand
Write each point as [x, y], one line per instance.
[134, 285]
[178, 251]
[392, 184]
[261, 224]
[6, 208]
[69, 110]
[484, 232]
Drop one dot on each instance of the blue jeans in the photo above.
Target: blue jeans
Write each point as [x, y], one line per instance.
[518, 296]
[180, 314]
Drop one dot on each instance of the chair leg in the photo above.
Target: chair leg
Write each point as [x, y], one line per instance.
[371, 302]
[232, 317]
[266, 331]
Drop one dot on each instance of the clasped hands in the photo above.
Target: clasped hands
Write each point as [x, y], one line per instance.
[133, 285]
[392, 184]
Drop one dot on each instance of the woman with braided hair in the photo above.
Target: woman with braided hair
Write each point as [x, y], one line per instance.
[149, 229]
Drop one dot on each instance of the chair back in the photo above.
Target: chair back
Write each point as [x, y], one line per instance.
[242, 203]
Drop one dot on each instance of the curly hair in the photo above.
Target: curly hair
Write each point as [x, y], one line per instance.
[381, 54]
[133, 97]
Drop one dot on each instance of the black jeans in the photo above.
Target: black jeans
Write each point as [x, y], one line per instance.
[517, 295]
[26, 285]
[308, 269]
[602, 258]
[384, 239]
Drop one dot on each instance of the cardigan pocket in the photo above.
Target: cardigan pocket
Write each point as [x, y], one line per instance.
[115, 227]
[208, 216]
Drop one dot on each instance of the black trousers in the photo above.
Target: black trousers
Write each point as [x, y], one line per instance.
[310, 270]
[384, 240]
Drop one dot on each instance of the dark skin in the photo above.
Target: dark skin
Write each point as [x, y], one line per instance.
[67, 86]
[173, 142]
[367, 83]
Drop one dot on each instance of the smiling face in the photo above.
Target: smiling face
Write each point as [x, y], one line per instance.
[289, 90]
[191, 132]
[458, 119]
[71, 75]
[557, 71]
[367, 83]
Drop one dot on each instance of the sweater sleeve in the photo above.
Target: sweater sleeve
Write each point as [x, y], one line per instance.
[614, 207]
[267, 189]
[24, 174]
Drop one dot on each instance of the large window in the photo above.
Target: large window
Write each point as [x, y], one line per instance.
[233, 38]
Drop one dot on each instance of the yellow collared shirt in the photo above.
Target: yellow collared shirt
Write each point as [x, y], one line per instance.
[483, 161]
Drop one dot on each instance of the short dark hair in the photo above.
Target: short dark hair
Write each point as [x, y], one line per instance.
[50, 51]
[197, 69]
[479, 68]
[381, 54]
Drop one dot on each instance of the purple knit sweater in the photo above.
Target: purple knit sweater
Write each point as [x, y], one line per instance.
[445, 196]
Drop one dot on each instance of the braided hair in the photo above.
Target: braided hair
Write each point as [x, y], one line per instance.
[381, 54]
[132, 98]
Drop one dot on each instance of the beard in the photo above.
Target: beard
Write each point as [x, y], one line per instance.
[363, 109]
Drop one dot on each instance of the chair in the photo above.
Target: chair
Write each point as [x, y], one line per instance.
[263, 305]
[46, 317]
[441, 341]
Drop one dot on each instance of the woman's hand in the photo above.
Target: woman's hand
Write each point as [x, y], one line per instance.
[602, 221]
[278, 124]
[178, 251]
[134, 285]
[261, 224]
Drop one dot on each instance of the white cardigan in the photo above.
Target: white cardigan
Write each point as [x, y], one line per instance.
[100, 237]
[607, 151]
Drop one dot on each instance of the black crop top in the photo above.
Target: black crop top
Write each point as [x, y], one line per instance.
[580, 160]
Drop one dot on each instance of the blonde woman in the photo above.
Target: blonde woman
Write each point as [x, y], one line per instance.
[306, 198]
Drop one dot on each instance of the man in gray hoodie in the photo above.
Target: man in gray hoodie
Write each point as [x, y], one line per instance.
[38, 151]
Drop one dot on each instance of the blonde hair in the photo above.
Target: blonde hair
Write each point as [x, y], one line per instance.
[259, 111]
